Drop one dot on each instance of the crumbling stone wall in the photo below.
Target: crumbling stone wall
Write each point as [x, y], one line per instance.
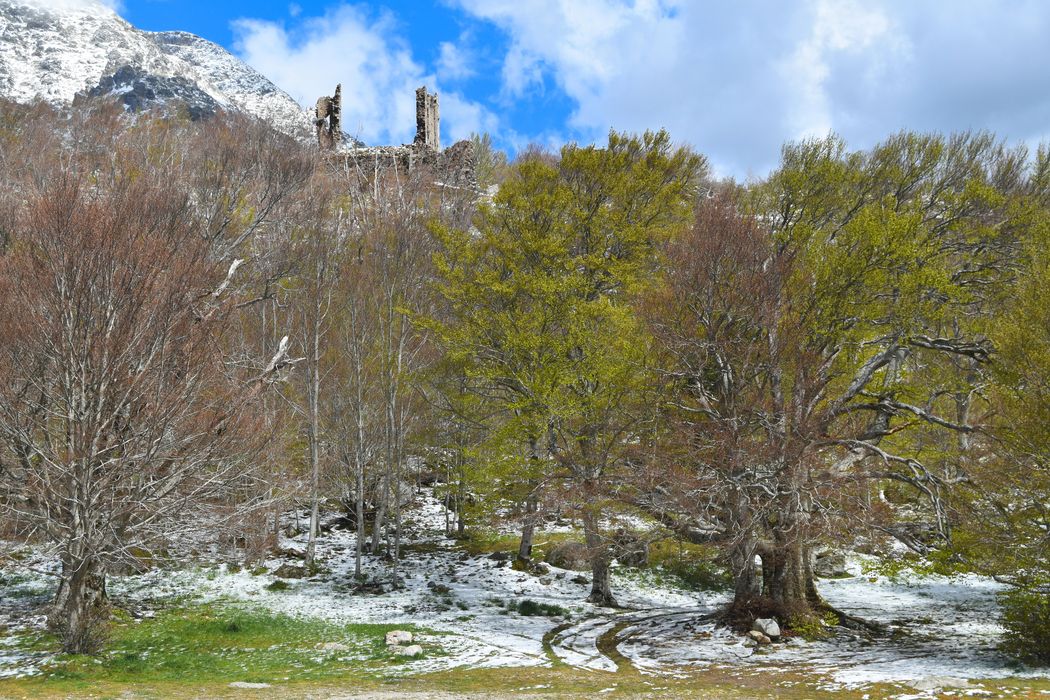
[328, 120]
[453, 167]
[428, 121]
[458, 165]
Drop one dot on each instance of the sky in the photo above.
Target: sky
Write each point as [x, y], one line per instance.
[735, 79]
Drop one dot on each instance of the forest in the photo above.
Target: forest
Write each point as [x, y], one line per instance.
[214, 338]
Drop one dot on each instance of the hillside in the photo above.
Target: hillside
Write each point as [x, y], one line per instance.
[60, 54]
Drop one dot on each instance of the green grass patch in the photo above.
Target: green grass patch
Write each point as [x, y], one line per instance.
[531, 608]
[712, 683]
[687, 566]
[226, 643]
[487, 542]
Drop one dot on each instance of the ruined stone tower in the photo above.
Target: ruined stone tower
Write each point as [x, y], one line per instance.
[453, 167]
[428, 123]
[328, 120]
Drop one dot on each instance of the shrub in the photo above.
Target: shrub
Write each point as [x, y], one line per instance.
[530, 608]
[811, 626]
[694, 567]
[1026, 617]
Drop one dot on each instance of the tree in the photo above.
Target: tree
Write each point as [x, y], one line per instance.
[1002, 508]
[804, 322]
[490, 164]
[539, 303]
[119, 409]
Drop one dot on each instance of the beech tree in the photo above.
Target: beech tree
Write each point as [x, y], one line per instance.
[539, 300]
[805, 321]
[119, 412]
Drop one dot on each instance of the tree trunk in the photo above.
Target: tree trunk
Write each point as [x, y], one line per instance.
[460, 501]
[746, 582]
[315, 438]
[528, 528]
[380, 519]
[789, 585]
[80, 604]
[359, 507]
[792, 575]
[601, 588]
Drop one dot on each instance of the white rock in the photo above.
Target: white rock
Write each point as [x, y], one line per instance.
[249, 686]
[395, 637]
[759, 637]
[937, 682]
[333, 646]
[767, 626]
[411, 651]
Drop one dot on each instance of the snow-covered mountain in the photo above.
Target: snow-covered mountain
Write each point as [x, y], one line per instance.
[59, 51]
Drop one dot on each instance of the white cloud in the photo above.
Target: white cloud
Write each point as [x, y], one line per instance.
[738, 79]
[839, 26]
[453, 63]
[460, 118]
[365, 53]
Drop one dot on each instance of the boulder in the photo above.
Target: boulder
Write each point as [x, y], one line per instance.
[569, 555]
[758, 637]
[830, 564]
[397, 637]
[630, 550]
[936, 683]
[767, 626]
[290, 571]
[411, 651]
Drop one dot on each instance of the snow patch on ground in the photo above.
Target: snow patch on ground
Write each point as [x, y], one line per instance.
[940, 627]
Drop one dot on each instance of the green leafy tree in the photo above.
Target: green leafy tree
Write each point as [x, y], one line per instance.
[539, 297]
[842, 354]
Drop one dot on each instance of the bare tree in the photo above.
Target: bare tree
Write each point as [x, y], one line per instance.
[121, 407]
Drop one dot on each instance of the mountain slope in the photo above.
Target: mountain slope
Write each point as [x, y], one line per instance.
[58, 53]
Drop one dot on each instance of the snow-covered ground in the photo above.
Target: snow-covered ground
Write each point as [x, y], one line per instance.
[944, 630]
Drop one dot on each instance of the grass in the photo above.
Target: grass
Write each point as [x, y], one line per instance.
[220, 643]
[713, 683]
[487, 542]
[675, 564]
[682, 565]
[196, 651]
[531, 608]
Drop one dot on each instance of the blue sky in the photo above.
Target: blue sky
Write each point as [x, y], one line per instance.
[735, 79]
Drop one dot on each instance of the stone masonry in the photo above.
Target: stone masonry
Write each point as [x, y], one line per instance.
[428, 121]
[452, 167]
[328, 120]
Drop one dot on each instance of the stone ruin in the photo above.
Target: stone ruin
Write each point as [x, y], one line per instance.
[452, 167]
[428, 122]
[328, 120]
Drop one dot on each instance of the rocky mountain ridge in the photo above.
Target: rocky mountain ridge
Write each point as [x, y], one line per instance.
[60, 53]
